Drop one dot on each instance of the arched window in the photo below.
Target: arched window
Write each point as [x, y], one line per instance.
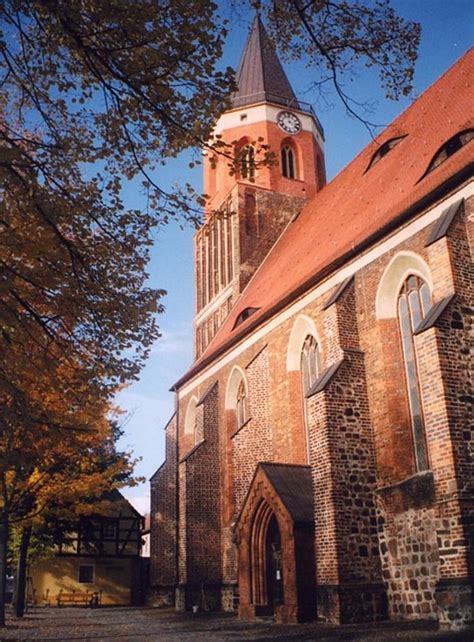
[310, 368]
[247, 162]
[288, 165]
[241, 405]
[191, 418]
[310, 365]
[413, 304]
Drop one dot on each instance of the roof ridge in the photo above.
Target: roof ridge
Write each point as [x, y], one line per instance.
[433, 84]
[399, 116]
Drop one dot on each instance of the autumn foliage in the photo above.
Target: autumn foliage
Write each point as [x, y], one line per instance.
[93, 93]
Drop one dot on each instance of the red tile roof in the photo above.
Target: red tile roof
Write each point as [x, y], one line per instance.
[356, 205]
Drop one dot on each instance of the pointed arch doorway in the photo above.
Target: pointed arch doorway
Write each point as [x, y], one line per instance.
[275, 540]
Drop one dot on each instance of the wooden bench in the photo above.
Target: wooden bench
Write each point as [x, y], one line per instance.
[76, 597]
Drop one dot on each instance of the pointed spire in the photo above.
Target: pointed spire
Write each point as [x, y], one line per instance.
[260, 76]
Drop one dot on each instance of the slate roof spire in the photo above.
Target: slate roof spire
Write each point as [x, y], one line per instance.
[260, 76]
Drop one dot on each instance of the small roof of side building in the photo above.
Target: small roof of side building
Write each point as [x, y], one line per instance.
[294, 486]
[360, 205]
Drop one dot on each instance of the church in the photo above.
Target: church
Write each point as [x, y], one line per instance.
[319, 464]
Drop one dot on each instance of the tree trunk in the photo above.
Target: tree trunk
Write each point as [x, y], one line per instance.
[20, 584]
[3, 564]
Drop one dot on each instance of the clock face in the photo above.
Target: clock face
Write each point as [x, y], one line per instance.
[289, 122]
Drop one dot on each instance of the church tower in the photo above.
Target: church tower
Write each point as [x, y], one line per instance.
[248, 208]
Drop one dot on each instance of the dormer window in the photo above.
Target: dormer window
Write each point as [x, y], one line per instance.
[288, 166]
[453, 145]
[383, 150]
[244, 315]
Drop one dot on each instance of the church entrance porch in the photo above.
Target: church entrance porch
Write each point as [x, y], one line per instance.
[275, 539]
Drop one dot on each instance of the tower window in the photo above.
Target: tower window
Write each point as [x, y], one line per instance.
[288, 167]
[247, 162]
[453, 145]
[413, 304]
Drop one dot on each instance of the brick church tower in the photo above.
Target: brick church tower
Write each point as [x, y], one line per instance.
[249, 209]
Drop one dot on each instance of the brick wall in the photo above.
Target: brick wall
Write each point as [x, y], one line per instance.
[258, 230]
[382, 529]
[425, 537]
[199, 530]
[252, 443]
[164, 524]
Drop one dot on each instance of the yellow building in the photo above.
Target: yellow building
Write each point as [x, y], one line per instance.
[99, 563]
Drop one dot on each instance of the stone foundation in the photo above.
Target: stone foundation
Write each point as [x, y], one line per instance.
[354, 603]
[161, 596]
[230, 597]
[455, 602]
[206, 597]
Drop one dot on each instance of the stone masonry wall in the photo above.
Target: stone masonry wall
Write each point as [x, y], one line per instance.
[344, 479]
[410, 557]
[424, 522]
[343, 464]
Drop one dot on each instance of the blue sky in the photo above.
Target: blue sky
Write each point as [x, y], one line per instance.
[447, 32]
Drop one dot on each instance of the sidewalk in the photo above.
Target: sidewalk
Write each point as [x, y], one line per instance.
[142, 623]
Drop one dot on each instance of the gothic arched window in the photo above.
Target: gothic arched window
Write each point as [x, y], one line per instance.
[413, 304]
[288, 165]
[310, 368]
[247, 162]
[190, 421]
[241, 405]
[310, 365]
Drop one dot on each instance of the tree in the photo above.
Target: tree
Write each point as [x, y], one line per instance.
[336, 36]
[61, 475]
[79, 483]
[94, 93]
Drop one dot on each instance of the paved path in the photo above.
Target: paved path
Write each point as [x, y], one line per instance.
[137, 624]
